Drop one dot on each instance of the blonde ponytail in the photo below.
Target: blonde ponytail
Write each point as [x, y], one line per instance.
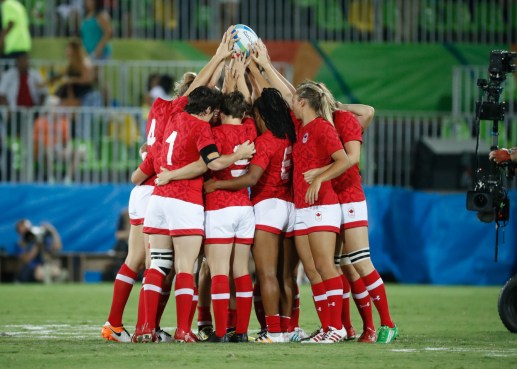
[319, 98]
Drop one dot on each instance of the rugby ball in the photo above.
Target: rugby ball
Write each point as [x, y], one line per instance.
[247, 39]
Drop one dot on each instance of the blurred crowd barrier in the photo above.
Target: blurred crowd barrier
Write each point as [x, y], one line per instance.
[101, 145]
[476, 21]
[124, 83]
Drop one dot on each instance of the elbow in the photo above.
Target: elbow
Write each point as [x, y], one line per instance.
[134, 178]
[370, 112]
[215, 165]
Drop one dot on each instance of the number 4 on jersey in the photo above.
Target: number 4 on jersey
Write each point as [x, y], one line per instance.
[151, 139]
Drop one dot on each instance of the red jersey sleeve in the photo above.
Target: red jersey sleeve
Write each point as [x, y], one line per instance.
[262, 156]
[204, 136]
[331, 140]
[147, 166]
[348, 127]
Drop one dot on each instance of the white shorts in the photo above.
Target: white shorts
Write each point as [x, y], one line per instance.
[354, 214]
[321, 218]
[138, 200]
[234, 224]
[173, 217]
[275, 216]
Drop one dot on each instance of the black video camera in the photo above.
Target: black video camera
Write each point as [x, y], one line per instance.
[489, 197]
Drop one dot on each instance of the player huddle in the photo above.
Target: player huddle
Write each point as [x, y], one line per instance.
[257, 166]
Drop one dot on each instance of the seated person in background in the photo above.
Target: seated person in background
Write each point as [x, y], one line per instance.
[78, 78]
[21, 86]
[36, 247]
[122, 232]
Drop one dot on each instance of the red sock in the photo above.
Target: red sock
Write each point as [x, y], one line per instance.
[152, 295]
[295, 313]
[362, 301]
[377, 291]
[319, 295]
[259, 308]
[334, 289]
[141, 305]
[231, 322]
[285, 323]
[273, 323]
[345, 311]
[193, 308]
[244, 301]
[204, 317]
[184, 290]
[121, 290]
[220, 299]
[164, 298]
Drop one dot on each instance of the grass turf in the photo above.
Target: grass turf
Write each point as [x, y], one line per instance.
[59, 326]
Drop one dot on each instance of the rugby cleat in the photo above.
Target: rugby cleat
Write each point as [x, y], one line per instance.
[181, 336]
[334, 335]
[239, 338]
[162, 336]
[350, 333]
[215, 339]
[297, 335]
[387, 334]
[267, 337]
[368, 336]
[117, 334]
[204, 332]
[316, 337]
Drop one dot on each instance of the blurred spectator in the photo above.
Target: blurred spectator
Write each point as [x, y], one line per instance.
[122, 232]
[162, 89]
[96, 30]
[36, 248]
[77, 80]
[15, 38]
[21, 85]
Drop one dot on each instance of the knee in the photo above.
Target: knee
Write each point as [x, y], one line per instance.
[313, 275]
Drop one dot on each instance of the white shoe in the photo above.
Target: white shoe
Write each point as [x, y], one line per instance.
[297, 335]
[334, 335]
[163, 336]
[267, 337]
[316, 337]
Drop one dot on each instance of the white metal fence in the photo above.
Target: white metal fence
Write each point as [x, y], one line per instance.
[87, 145]
[478, 21]
[124, 83]
[465, 91]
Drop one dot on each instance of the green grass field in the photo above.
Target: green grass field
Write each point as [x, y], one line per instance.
[59, 326]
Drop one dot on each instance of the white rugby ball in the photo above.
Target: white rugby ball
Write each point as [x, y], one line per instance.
[247, 39]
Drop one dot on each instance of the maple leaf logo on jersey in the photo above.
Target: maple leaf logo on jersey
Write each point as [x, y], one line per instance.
[318, 216]
[305, 137]
[351, 213]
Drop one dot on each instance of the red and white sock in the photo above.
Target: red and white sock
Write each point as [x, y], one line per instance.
[166, 294]
[259, 308]
[377, 291]
[141, 305]
[285, 323]
[244, 301]
[345, 310]
[334, 291]
[204, 316]
[319, 295]
[273, 323]
[362, 301]
[184, 292]
[220, 299]
[152, 295]
[295, 313]
[195, 298]
[121, 290]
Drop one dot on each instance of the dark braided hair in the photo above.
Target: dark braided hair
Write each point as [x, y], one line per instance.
[275, 112]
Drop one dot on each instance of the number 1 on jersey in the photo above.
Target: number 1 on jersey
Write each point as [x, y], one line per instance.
[170, 140]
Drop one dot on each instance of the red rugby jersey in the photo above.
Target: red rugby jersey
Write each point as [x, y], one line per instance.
[348, 186]
[315, 144]
[183, 139]
[228, 137]
[156, 122]
[274, 156]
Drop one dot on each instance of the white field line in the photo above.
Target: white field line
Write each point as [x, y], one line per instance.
[487, 352]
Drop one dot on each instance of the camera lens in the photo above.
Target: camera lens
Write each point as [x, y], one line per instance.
[480, 200]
